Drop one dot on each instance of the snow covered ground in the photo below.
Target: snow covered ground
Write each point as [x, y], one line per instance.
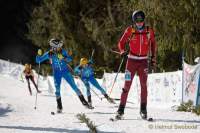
[17, 114]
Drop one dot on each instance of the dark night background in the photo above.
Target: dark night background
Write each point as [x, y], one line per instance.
[14, 16]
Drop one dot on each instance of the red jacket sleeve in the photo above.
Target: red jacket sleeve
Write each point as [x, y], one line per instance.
[153, 43]
[123, 40]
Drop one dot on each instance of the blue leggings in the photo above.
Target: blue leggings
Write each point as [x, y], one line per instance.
[94, 82]
[68, 77]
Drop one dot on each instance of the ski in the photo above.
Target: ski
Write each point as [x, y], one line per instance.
[54, 113]
[118, 99]
[115, 119]
[150, 119]
[90, 107]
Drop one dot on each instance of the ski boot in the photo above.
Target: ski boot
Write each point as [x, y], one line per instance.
[109, 99]
[59, 104]
[90, 106]
[120, 112]
[84, 102]
[59, 110]
[38, 91]
[119, 116]
[90, 102]
[143, 111]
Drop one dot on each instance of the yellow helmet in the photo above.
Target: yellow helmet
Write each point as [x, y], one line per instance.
[28, 66]
[40, 52]
[83, 61]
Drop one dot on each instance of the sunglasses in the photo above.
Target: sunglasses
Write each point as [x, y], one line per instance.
[138, 20]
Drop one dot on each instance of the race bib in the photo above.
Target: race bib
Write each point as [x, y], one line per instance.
[127, 75]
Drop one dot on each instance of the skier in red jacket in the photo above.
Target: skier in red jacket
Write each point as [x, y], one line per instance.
[142, 44]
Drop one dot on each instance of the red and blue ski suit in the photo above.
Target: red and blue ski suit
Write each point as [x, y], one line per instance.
[59, 62]
[140, 43]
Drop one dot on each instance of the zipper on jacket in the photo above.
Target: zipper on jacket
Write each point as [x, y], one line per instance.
[140, 44]
[58, 63]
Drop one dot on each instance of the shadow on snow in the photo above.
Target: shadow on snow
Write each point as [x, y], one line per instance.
[5, 110]
[50, 129]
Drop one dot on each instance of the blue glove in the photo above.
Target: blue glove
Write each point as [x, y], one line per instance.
[90, 62]
[37, 59]
[77, 70]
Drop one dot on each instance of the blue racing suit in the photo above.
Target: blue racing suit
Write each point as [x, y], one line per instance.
[59, 62]
[87, 76]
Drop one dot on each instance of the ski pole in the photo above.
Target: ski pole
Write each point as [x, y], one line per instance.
[116, 75]
[37, 86]
[92, 54]
[22, 78]
[92, 90]
[96, 94]
[70, 69]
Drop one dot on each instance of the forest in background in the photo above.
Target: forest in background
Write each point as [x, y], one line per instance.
[85, 25]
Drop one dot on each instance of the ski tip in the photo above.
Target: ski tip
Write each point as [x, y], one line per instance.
[91, 108]
[88, 107]
[150, 119]
[52, 113]
[112, 119]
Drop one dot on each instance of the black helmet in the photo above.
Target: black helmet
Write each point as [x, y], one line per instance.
[56, 43]
[136, 14]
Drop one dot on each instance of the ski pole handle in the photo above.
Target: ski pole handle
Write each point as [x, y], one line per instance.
[93, 50]
[92, 54]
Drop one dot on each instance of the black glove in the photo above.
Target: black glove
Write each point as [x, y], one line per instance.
[153, 63]
[124, 54]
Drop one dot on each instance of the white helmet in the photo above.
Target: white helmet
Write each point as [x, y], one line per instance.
[197, 60]
[136, 14]
[56, 43]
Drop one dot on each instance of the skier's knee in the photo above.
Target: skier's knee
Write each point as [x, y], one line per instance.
[77, 91]
[88, 93]
[57, 94]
